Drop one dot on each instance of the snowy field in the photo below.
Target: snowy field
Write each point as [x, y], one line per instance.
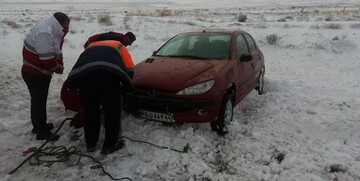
[306, 127]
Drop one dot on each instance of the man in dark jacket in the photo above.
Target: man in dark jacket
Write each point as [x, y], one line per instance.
[101, 73]
[71, 98]
[42, 56]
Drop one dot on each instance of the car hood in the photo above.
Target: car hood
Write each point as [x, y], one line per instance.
[174, 74]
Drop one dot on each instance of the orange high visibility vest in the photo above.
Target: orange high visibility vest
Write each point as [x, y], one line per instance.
[124, 53]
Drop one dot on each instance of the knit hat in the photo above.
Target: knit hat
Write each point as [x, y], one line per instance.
[61, 17]
[130, 35]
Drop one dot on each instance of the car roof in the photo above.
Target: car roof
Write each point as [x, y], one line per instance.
[216, 31]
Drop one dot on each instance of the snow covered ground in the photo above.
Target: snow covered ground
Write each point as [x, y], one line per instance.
[309, 114]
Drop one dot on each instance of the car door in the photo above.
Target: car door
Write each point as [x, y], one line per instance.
[245, 69]
[256, 59]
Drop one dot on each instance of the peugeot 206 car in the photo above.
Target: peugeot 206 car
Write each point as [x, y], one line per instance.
[199, 77]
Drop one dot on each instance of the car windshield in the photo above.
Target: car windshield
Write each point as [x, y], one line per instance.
[197, 46]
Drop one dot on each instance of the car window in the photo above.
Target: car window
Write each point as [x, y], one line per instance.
[219, 46]
[172, 47]
[241, 46]
[251, 43]
[200, 45]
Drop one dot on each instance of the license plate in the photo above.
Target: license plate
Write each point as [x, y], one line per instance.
[157, 116]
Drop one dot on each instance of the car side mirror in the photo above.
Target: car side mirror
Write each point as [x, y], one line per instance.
[154, 52]
[246, 58]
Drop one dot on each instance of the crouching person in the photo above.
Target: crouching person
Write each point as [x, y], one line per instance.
[71, 98]
[101, 74]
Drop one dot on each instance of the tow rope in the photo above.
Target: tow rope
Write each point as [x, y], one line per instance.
[51, 155]
[35, 152]
[41, 156]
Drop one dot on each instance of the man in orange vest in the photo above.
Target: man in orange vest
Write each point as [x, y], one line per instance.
[102, 72]
[71, 98]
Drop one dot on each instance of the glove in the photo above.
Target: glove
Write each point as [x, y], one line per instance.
[59, 70]
[60, 61]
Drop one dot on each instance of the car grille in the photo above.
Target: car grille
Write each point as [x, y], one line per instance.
[162, 104]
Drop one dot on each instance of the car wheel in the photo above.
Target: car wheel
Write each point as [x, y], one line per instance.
[260, 87]
[225, 115]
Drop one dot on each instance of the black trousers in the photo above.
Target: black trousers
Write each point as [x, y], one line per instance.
[101, 88]
[38, 86]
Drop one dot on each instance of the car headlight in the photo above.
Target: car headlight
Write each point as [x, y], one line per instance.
[197, 88]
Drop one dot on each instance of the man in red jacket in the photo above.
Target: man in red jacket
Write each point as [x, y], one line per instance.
[126, 39]
[42, 56]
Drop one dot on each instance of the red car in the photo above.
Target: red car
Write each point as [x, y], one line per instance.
[199, 77]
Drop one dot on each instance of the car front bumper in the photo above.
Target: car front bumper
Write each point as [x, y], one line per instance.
[182, 110]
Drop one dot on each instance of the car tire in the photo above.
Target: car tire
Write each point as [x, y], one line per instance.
[225, 115]
[261, 82]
